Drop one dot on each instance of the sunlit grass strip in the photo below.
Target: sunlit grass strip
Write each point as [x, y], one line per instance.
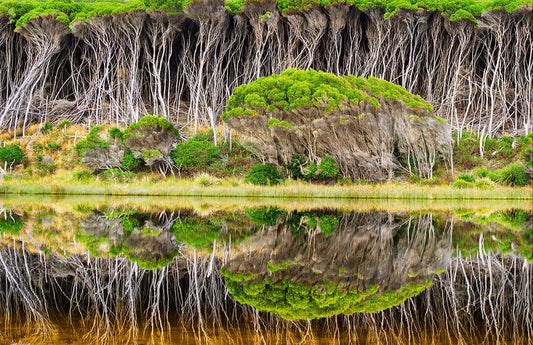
[208, 205]
[238, 188]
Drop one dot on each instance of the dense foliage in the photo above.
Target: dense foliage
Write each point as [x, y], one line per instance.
[298, 88]
[68, 11]
[264, 174]
[197, 152]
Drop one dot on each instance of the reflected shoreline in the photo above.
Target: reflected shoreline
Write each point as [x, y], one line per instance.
[254, 276]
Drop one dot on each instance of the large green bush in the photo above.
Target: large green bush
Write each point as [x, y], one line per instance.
[11, 154]
[264, 174]
[299, 88]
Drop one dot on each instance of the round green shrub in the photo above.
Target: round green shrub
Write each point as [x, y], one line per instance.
[264, 174]
[195, 152]
[512, 175]
[11, 154]
[467, 177]
[462, 184]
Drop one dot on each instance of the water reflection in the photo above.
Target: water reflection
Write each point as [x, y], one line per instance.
[316, 264]
[264, 276]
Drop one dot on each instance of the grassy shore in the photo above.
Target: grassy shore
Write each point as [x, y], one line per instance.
[62, 183]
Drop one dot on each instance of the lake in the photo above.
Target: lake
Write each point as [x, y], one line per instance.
[80, 270]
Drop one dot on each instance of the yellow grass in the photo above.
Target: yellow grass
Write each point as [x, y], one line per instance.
[63, 183]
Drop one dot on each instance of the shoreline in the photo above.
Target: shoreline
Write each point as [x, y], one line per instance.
[173, 187]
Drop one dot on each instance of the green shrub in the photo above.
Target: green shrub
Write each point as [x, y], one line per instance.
[328, 224]
[328, 167]
[92, 141]
[153, 121]
[467, 177]
[296, 168]
[484, 183]
[129, 162]
[482, 172]
[47, 127]
[11, 154]
[462, 184]
[195, 153]
[309, 88]
[264, 174]
[116, 134]
[46, 169]
[511, 175]
[64, 123]
[52, 146]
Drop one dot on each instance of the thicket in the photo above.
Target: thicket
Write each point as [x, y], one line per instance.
[183, 61]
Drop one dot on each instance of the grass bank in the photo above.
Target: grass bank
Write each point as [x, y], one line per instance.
[63, 183]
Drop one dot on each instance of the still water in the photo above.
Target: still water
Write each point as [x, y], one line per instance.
[218, 271]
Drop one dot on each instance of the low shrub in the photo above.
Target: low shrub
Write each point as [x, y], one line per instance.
[64, 123]
[92, 141]
[116, 134]
[482, 172]
[196, 152]
[462, 184]
[264, 174]
[47, 127]
[484, 183]
[10, 226]
[11, 154]
[467, 177]
[264, 215]
[45, 169]
[512, 175]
